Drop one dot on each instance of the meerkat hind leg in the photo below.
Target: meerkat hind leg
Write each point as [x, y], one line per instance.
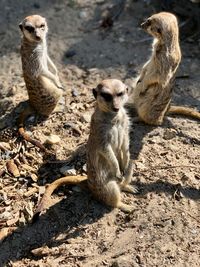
[125, 207]
[113, 197]
[60, 107]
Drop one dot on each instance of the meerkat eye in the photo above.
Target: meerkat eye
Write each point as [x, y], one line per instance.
[107, 97]
[120, 94]
[42, 26]
[148, 22]
[159, 30]
[29, 28]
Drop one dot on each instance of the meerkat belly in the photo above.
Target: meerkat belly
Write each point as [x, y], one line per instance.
[42, 98]
[117, 138]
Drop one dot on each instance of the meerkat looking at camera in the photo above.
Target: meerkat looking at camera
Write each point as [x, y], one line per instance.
[109, 167]
[153, 91]
[43, 84]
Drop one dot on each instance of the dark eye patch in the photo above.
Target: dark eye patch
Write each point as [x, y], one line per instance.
[148, 22]
[159, 30]
[107, 97]
[42, 25]
[29, 28]
[120, 94]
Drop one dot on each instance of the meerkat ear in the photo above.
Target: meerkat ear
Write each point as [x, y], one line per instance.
[128, 90]
[20, 26]
[94, 92]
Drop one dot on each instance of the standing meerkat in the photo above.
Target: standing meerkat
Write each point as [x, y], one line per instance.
[109, 168]
[153, 91]
[43, 85]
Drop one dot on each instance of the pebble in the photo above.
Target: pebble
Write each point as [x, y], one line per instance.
[121, 40]
[86, 117]
[140, 166]
[75, 92]
[52, 139]
[169, 134]
[68, 170]
[83, 14]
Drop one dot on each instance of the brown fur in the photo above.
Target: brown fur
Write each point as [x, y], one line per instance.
[153, 91]
[108, 161]
[43, 85]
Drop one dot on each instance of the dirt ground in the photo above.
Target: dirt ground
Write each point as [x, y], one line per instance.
[164, 228]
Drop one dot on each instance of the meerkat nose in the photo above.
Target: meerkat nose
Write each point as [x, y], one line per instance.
[115, 109]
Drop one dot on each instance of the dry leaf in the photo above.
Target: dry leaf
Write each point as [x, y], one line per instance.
[12, 168]
[31, 192]
[40, 251]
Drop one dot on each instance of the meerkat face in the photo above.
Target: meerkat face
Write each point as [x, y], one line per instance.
[34, 28]
[160, 24]
[111, 95]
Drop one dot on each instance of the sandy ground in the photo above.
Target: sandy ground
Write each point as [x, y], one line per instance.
[164, 228]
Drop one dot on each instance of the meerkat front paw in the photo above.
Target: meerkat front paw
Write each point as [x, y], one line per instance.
[129, 188]
[59, 85]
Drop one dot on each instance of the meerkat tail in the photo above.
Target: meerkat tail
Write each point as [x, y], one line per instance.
[20, 123]
[67, 180]
[184, 111]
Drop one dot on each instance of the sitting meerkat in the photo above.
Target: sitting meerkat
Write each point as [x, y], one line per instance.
[43, 85]
[109, 168]
[153, 90]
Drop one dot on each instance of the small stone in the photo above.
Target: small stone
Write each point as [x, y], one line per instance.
[75, 92]
[121, 40]
[31, 119]
[52, 139]
[86, 117]
[169, 134]
[140, 166]
[68, 170]
[83, 14]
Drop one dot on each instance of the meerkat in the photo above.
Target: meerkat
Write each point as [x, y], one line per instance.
[43, 85]
[153, 90]
[109, 167]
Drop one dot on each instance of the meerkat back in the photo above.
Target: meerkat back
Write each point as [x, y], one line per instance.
[152, 94]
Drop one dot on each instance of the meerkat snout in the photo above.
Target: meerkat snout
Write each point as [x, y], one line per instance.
[111, 95]
[34, 28]
[144, 25]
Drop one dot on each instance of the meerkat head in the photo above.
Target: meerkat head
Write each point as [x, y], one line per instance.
[161, 25]
[34, 28]
[111, 95]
